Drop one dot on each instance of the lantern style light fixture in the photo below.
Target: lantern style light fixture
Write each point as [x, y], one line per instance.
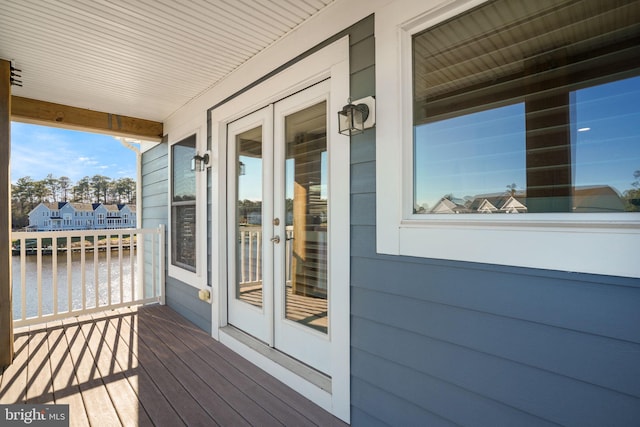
[357, 116]
[199, 163]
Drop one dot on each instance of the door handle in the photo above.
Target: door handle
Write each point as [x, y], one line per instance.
[275, 239]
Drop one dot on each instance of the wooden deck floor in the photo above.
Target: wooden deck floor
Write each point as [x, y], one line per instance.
[147, 366]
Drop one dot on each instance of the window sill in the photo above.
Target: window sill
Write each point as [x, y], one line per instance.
[597, 247]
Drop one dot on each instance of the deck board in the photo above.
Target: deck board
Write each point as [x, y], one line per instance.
[63, 377]
[13, 382]
[147, 367]
[39, 387]
[253, 401]
[242, 387]
[97, 402]
[124, 350]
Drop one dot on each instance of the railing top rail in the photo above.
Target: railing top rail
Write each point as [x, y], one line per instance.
[82, 233]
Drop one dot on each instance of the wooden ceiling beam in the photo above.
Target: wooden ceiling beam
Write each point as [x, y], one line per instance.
[57, 115]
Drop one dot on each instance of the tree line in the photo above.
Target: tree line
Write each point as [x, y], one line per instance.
[27, 193]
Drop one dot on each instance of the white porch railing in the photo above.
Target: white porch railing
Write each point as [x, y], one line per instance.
[60, 274]
[250, 253]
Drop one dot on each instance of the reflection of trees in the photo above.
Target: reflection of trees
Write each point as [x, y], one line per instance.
[632, 195]
[247, 207]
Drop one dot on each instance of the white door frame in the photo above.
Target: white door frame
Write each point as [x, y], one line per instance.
[330, 62]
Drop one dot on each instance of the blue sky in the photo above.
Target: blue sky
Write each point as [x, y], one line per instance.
[37, 151]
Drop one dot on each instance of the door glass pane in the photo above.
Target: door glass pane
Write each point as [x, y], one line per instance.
[249, 217]
[306, 217]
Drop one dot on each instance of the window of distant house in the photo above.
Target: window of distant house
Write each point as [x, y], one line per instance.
[183, 205]
[528, 107]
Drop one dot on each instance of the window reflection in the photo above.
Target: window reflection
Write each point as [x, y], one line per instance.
[519, 120]
[479, 163]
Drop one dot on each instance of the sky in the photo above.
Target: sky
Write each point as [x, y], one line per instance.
[37, 151]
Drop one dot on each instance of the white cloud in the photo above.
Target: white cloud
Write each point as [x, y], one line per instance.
[37, 151]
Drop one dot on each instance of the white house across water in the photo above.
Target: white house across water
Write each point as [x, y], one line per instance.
[81, 216]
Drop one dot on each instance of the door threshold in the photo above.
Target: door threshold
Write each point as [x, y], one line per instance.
[289, 364]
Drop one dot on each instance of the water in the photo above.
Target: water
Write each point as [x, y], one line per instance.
[92, 283]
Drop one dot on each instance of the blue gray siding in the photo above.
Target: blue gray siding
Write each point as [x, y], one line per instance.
[442, 343]
[155, 189]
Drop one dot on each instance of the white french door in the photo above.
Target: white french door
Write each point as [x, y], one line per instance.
[279, 225]
[250, 213]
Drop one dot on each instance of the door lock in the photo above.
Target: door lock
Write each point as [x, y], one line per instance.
[276, 221]
[275, 239]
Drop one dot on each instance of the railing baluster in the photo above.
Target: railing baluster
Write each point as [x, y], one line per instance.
[54, 272]
[131, 269]
[120, 267]
[23, 276]
[242, 240]
[250, 255]
[258, 252]
[96, 281]
[108, 258]
[39, 267]
[69, 276]
[83, 275]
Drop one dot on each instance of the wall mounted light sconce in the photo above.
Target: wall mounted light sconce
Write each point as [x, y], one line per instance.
[199, 163]
[357, 116]
[242, 169]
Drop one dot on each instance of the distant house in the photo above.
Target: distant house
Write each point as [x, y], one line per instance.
[81, 216]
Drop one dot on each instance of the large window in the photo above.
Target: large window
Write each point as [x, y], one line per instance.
[529, 109]
[510, 107]
[183, 205]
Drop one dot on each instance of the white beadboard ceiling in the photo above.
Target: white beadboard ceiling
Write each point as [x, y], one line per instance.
[139, 58]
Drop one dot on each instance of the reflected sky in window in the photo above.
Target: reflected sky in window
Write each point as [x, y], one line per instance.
[484, 152]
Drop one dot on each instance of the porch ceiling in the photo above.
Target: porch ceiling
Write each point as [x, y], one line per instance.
[138, 58]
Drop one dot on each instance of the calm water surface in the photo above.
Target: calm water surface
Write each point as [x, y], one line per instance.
[97, 279]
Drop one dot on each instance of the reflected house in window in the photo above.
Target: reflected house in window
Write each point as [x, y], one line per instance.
[597, 198]
[503, 203]
[449, 205]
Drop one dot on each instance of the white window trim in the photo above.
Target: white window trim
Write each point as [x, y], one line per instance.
[197, 279]
[587, 243]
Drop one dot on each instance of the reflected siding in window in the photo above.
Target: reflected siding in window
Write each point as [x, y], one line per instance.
[183, 205]
[517, 118]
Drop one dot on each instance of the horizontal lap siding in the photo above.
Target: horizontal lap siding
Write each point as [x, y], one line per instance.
[181, 297]
[184, 299]
[442, 342]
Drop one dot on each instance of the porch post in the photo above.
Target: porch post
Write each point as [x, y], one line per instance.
[6, 317]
